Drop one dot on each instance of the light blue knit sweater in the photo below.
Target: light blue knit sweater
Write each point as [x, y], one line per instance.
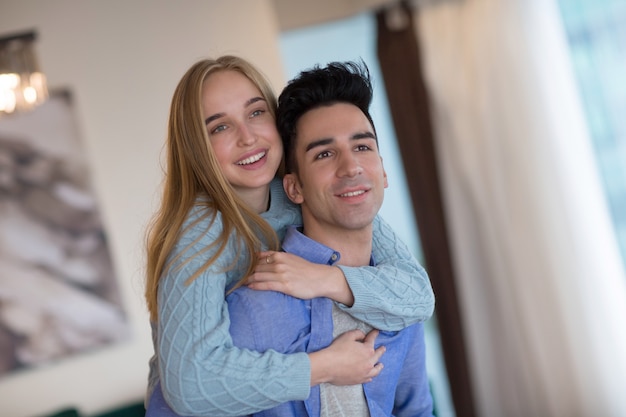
[200, 370]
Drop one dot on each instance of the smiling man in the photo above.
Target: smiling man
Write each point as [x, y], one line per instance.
[336, 174]
[339, 179]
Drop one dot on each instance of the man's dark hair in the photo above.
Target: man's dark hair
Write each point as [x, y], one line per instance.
[338, 82]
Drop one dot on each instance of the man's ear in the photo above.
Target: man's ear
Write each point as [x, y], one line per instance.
[384, 172]
[292, 188]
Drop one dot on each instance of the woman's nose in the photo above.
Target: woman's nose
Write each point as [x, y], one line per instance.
[247, 136]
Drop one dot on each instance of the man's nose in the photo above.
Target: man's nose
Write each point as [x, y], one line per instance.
[349, 165]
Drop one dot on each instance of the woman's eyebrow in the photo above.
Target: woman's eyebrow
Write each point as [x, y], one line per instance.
[213, 117]
[252, 101]
[246, 104]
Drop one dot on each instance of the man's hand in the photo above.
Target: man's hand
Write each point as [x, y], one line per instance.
[292, 275]
[351, 359]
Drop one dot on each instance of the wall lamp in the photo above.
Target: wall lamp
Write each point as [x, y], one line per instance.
[22, 84]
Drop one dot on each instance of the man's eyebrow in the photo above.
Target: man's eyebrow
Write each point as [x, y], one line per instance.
[318, 143]
[363, 135]
[246, 104]
[327, 141]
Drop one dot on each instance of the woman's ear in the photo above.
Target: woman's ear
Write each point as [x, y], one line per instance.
[292, 188]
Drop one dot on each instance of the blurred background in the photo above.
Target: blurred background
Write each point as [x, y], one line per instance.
[501, 125]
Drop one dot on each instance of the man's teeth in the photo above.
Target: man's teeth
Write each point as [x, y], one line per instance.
[252, 159]
[353, 193]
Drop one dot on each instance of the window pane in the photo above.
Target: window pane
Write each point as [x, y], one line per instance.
[596, 32]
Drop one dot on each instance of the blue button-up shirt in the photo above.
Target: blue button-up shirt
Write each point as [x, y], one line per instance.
[262, 320]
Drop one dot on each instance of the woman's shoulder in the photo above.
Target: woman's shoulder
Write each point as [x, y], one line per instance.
[203, 225]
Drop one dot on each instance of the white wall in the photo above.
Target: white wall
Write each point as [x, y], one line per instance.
[121, 61]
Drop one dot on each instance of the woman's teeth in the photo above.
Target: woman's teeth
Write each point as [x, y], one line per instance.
[252, 159]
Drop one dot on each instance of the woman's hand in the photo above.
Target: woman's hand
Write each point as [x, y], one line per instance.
[295, 276]
[351, 359]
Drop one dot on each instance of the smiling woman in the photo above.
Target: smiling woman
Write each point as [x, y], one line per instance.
[242, 134]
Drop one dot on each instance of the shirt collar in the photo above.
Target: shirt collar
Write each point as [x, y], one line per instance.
[297, 243]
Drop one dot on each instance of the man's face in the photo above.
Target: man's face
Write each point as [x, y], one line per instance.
[340, 180]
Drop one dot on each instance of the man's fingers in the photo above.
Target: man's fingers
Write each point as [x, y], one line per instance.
[378, 353]
[355, 334]
[376, 370]
[371, 337]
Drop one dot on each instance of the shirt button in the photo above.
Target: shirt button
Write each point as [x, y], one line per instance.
[334, 257]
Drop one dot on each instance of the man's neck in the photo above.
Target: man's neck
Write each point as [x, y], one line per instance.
[355, 246]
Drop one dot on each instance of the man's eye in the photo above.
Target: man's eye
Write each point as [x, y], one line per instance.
[363, 148]
[322, 155]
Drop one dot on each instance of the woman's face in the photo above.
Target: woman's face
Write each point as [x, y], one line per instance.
[242, 132]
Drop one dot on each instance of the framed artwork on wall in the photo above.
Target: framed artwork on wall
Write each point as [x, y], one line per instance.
[59, 293]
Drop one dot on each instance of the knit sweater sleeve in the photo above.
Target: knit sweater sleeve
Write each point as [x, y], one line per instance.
[396, 292]
[201, 371]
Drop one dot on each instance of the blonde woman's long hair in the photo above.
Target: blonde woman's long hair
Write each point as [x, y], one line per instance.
[193, 170]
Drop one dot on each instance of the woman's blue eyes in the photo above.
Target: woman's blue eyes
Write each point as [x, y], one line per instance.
[218, 129]
[221, 128]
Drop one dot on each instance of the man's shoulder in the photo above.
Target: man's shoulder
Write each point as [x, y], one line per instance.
[245, 293]
[262, 302]
[262, 320]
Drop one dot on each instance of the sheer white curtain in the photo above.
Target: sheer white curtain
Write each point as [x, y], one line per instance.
[541, 284]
